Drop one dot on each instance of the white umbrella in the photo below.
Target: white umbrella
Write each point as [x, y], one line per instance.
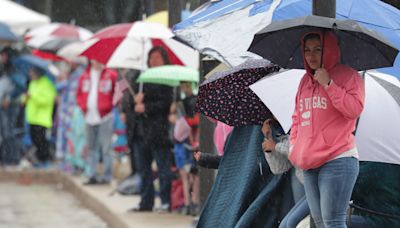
[378, 129]
[20, 18]
[43, 34]
[72, 51]
[228, 36]
[126, 46]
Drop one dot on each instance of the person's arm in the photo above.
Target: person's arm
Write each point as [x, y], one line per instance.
[348, 100]
[283, 146]
[295, 121]
[209, 161]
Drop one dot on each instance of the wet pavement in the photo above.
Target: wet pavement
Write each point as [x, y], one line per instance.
[44, 206]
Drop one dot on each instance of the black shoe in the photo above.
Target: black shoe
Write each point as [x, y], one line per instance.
[140, 209]
[91, 181]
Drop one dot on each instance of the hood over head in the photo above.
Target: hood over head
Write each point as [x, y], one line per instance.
[330, 50]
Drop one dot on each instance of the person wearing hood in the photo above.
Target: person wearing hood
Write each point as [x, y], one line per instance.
[39, 106]
[329, 100]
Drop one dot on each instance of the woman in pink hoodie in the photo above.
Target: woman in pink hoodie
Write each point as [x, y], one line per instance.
[329, 100]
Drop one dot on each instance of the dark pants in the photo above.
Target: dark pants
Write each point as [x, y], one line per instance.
[38, 135]
[162, 157]
[134, 146]
[9, 148]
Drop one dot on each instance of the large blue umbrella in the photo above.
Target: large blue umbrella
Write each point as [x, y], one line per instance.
[24, 62]
[6, 33]
[373, 14]
[213, 10]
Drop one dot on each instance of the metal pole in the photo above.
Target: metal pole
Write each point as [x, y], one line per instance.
[206, 176]
[325, 8]
[175, 8]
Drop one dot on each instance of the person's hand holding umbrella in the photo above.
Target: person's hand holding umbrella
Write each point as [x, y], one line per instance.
[139, 105]
[268, 144]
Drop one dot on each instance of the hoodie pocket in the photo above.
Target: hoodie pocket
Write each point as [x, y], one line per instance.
[330, 136]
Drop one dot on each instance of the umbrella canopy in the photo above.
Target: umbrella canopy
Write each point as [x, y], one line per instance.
[39, 36]
[72, 51]
[377, 132]
[126, 46]
[210, 29]
[49, 49]
[374, 14]
[20, 18]
[169, 75]
[25, 62]
[226, 96]
[361, 48]
[53, 46]
[159, 17]
[6, 34]
[207, 30]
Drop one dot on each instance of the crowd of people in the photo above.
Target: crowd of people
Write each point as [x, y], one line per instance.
[70, 123]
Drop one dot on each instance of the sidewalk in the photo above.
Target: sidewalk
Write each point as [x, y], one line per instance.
[119, 205]
[112, 209]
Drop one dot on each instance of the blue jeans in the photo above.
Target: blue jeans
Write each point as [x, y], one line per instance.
[328, 191]
[98, 142]
[300, 210]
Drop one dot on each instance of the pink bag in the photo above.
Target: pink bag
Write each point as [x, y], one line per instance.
[221, 132]
[182, 130]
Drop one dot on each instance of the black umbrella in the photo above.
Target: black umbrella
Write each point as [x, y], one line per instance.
[361, 48]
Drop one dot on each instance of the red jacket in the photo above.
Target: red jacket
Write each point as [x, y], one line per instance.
[105, 94]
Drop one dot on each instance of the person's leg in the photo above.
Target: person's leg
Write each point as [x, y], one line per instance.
[297, 186]
[147, 192]
[131, 145]
[162, 157]
[38, 135]
[92, 151]
[105, 135]
[179, 154]
[313, 195]
[336, 181]
[299, 211]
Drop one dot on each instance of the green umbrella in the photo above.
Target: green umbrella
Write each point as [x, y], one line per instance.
[169, 75]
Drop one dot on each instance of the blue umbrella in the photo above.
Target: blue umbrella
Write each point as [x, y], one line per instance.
[373, 14]
[6, 33]
[24, 62]
[213, 10]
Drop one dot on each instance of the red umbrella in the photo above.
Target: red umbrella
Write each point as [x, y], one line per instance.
[38, 36]
[126, 45]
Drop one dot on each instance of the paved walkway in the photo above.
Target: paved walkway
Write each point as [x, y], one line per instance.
[119, 205]
[37, 198]
[43, 206]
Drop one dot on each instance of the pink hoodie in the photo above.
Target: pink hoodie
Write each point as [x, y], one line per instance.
[324, 118]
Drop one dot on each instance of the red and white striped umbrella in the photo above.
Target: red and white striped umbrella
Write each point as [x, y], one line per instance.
[40, 35]
[126, 46]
